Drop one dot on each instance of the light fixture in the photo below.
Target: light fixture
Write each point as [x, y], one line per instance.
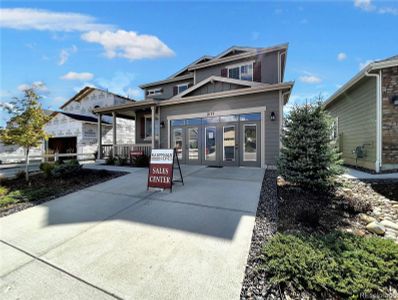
[394, 100]
[273, 117]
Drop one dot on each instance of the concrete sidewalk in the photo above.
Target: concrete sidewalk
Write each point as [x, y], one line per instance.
[356, 174]
[116, 240]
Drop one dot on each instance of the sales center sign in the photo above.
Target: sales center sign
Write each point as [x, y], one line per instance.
[161, 168]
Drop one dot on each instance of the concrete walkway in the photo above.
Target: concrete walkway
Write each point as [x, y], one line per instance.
[116, 240]
[356, 174]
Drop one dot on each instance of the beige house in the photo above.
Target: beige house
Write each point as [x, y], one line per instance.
[366, 117]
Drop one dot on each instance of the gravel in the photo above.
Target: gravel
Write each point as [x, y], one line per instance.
[255, 285]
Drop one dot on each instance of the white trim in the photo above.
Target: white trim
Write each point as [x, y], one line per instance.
[154, 92]
[168, 133]
[182, 84]
[280, 118]
[279, 67]
[262, 139]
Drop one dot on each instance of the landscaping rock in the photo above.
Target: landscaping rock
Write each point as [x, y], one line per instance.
[376, 228]
[389, 224]
[366, 218]
[359, 232]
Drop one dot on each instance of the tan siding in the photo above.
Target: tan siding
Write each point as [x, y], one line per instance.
[356, 110]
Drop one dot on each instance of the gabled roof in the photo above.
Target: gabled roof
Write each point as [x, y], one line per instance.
[374, 66]
[78, 117]
[201, 59]
[155, 83]
[235, 50]
[213, 78]
[248, 53]
[87, 90]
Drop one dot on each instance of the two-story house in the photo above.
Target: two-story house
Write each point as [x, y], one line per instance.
[225, 110]
[73, 129]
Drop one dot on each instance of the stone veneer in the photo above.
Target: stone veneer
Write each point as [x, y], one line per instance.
[390, 116]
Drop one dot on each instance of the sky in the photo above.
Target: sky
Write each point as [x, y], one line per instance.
[60, 47]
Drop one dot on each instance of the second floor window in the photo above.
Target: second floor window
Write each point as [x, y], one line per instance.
[243, 72]
[182, 87]
[154, 92]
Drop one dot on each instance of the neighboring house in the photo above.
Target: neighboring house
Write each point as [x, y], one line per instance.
[217, 111]
[74, 128]
[366, 117]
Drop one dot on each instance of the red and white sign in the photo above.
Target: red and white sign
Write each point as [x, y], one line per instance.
[161, 169]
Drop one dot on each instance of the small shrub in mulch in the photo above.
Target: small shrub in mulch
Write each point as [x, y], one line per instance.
[337, 265]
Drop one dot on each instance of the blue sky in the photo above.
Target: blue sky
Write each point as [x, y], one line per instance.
[63, 46]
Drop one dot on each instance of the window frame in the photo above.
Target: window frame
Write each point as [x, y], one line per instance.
[180, 85]
[239, 66]
[149, 117]
[155, 92]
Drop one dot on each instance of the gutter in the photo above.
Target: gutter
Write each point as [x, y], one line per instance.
[378, 119]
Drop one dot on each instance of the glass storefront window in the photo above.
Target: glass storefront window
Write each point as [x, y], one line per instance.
[177, 122]
[211, 120]
[230, 118]
[229, 143]
[193, 121]
[250, 142]
[177, 141]
[251, 117]
[210, 143]
[193, 143]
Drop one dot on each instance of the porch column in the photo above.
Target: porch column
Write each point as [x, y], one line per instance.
[114, 133]
[153, 126]
[99, 137]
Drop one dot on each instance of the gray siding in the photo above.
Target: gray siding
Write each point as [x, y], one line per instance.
[270, 100]
[269, 68]
[356, 112]
[214, 88]
[167, 89]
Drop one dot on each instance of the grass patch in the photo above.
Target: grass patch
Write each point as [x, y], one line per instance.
[336, 264]
[25, 195]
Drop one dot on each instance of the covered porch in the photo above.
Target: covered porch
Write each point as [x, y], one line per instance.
[146, 115]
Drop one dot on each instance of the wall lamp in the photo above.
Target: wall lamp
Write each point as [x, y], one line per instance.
[273, 117]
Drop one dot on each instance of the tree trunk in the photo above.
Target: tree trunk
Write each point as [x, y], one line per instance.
[27, 165]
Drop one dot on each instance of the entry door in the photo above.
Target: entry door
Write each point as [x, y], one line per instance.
[229, 144]
[250, 152]
[210, 145]
[193, 145]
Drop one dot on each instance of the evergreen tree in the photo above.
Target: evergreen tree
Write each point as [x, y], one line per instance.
[26, 125]
[309, 156]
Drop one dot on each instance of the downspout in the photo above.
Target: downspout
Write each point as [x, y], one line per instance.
[378, 118]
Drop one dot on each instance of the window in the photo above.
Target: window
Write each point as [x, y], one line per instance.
[243, 71]
[335, 129]
[251, 117]
[155, 92]
[182, 87]
[148, 127]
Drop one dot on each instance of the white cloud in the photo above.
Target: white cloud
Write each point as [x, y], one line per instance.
[310, 79]
[78, 76]
[341, 56]
[134, 93]
[65, 53]
[39, 19]
[118, 84]
[364, 4]
[37, 85]
[368, 6]
[128, 44]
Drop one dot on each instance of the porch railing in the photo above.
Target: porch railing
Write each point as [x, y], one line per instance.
[123, 150]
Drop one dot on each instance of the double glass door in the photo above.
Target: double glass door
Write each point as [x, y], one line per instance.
[218, 144]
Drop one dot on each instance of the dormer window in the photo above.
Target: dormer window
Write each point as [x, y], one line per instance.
[242, 71]
[154, 92]
[182, 87]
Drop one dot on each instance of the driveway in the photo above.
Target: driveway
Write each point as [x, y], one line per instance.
[116, 240]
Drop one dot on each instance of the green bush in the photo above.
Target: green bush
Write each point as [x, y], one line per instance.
[47, 168]
[120, 161]
[3, 191]
[66, 169]
[141, 161]
[25, 195]
[110, 160]
[309, 157]
[337, 264]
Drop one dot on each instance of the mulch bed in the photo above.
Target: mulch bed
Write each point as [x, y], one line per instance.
[286, 208]
[85, 178]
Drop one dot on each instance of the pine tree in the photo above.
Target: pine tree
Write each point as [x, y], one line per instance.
[26, 125]
[309, 157]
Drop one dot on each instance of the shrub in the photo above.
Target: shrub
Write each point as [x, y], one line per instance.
[47, 169]
[357, 205]
[120, 161]
[141, 161]
[338, 264]
[308, 157]
[3, 191]
[110, 160]
[309, 217]
[66, 169]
